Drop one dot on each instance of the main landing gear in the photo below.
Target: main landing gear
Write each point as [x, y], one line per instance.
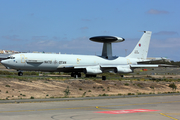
[75, 74]
[20, 73]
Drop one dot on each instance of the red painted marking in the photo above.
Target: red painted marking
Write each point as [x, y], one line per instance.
[126, 111]
[139, 45]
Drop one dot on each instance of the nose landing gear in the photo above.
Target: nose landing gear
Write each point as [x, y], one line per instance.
[20, 73]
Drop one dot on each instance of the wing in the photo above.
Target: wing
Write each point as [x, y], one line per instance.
[97, 69]
[143, 65]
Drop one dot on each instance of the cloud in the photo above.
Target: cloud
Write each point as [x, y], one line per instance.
[165, 48]
[84, 28]
[12, 37]
[39, 38]
[86, 20]
[156, 12]
[172, 43]
[32, 14]
[166, 33]
[106, 32]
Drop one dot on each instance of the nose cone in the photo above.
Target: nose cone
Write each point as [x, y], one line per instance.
[2, 62]
[5, 63]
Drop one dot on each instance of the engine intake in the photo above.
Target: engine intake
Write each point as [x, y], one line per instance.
[121, 69]
[93, 70]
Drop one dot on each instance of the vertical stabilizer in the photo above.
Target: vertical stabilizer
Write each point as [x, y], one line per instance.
[141, 49]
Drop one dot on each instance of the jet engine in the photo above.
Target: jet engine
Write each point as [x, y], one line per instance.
[93, 70]
[122, 69]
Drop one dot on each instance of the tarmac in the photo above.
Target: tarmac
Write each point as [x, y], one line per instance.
[134, 108]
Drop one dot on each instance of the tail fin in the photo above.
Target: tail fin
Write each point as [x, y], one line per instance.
[141, 49]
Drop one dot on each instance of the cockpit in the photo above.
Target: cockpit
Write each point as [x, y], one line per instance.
[11, 57]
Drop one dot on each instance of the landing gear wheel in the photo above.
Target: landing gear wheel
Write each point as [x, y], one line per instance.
[75, 74]
[20, 73]
[103, 77]
[79, 74]
[72, 74]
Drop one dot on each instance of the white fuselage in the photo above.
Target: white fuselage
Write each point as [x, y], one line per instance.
[59, 62]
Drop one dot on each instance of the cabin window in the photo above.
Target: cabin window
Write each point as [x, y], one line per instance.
[49, 61]
[62, 62]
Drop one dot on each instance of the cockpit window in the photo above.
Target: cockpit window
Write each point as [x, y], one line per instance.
[11, 57]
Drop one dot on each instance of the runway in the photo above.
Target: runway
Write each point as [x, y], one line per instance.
[140, 108]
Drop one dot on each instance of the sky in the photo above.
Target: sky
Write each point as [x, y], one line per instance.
[65, 26]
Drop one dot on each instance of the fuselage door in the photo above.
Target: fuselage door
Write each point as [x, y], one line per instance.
[128, 61]
[23, 59]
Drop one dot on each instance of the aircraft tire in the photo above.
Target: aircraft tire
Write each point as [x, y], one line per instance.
[79, 74]
[72, 74]
[20, 73]
[103, 77]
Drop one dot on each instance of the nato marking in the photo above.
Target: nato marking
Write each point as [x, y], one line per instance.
[78, 60]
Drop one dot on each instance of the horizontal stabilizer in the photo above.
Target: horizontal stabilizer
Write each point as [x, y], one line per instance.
[143, 65]
[151, 65]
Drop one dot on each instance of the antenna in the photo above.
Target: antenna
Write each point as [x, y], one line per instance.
[126, 52]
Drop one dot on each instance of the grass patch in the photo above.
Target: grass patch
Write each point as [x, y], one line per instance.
[66, 91]
[173, 86]
[8, 86]
[119, 94]
[103, 94]
[152, 87]
[139, 85]
[126, 84]
[31, 97]
[84, 94]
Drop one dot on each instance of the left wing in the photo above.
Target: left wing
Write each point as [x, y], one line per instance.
[117, 68]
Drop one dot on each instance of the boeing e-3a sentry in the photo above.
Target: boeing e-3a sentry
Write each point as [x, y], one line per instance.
[91, 65]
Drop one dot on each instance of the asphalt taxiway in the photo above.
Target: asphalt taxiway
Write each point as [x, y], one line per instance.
[136, 108]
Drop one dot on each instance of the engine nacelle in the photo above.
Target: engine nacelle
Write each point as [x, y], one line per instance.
[120, 69]
[93, 70]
